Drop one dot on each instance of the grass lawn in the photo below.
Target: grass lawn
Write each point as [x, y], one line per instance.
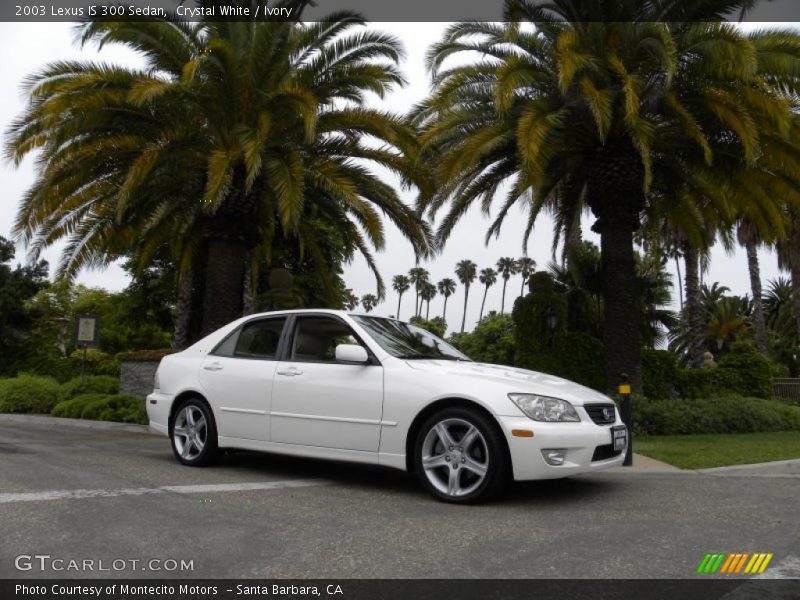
[719, 450]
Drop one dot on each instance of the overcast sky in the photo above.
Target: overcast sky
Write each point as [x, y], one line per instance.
[26, 47]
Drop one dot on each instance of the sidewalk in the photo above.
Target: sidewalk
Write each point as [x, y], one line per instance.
[644, 464]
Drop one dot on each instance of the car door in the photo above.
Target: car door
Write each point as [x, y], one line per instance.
[317, 401]
[238, 377]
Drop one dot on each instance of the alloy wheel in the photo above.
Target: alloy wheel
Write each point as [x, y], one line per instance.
[455, 457]
[190, 432]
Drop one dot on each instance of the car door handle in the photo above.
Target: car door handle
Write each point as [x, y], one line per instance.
[289, 371]
[213, 367]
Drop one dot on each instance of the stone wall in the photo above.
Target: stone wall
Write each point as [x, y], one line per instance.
[136, 377]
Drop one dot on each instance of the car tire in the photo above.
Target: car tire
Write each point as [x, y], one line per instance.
[460, 456]
[193, 434]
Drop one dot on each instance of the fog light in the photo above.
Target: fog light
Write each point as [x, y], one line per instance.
[554, 457]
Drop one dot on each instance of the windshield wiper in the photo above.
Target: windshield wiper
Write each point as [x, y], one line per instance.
[430, 357]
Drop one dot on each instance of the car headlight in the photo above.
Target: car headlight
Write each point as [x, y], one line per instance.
[544, 408]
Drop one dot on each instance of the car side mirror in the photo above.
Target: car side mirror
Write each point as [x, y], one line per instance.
[351, 353]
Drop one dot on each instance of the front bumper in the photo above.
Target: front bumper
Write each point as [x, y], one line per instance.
[580, 440]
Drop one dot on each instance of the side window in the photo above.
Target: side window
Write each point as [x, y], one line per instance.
[315, 339]
[259, 339]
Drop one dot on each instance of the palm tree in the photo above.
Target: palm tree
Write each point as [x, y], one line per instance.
[488, 278]
[506, 267]
[571, 114]
[447, 288]
[350, 300]
[231, 137]
[466, 271]
[426, 294]
[418, 276]
[525, 267]
[400, 284]
[369, 302]
[748, 236]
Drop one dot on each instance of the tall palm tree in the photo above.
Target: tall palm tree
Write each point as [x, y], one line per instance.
[466, 271]
[369, 302]
[789, 259]
[231, 136]
[418, 276]
[447, 288]
[572, 114]
[748, 236]
[350, 300]
[426, 294]
[525, 267]
[400, 284]
[506, 266]
[488, 278]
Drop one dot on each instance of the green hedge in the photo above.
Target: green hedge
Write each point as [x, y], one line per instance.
[712, 415]
[96, 384]
[743, 371]
[103, 407]
[28, 394]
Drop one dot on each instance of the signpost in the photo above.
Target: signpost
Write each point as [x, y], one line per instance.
[624, 390]
[86, 333]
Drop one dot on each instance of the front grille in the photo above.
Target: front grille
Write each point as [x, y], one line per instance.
[598, 412]
[605, 452]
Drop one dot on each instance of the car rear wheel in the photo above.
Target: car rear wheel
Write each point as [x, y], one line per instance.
[194, 434]
[460, 457]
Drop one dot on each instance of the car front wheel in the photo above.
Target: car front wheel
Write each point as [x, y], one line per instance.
[194, 434]
[460, 457]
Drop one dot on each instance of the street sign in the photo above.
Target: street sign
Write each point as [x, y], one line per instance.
[87, 330]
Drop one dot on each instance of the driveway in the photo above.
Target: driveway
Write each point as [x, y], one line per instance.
[75, 493]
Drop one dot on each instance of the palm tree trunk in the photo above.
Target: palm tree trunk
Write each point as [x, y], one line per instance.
[485, 291]
[464, 316]
[621, 321]
[522, 287]
[399, 299]
[692, 308]
[444, 310]
[503, 301]
[428, 310]
[755, 288]
[680, 278]
[794, 268]
[222, 302]
[183, 310]
[248, 300]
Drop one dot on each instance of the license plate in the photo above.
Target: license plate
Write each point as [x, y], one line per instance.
[619, 437]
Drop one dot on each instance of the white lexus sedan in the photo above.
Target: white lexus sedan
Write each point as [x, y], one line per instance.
[328, 384]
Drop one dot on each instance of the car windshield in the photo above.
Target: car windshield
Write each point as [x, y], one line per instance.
[403, 340]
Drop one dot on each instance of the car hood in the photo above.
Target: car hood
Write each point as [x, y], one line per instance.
[513, 379]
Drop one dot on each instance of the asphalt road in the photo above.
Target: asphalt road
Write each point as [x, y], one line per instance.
[75, 493]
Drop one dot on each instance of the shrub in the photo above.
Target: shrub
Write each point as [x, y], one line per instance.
[492, 340]
[103, 407]
[28, 394]
[97, 362]
[659, 373]
[712, 415]
[754, 371]
[95, 384]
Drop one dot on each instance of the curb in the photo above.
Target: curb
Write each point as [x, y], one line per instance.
[790, 467]
[79, 423]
